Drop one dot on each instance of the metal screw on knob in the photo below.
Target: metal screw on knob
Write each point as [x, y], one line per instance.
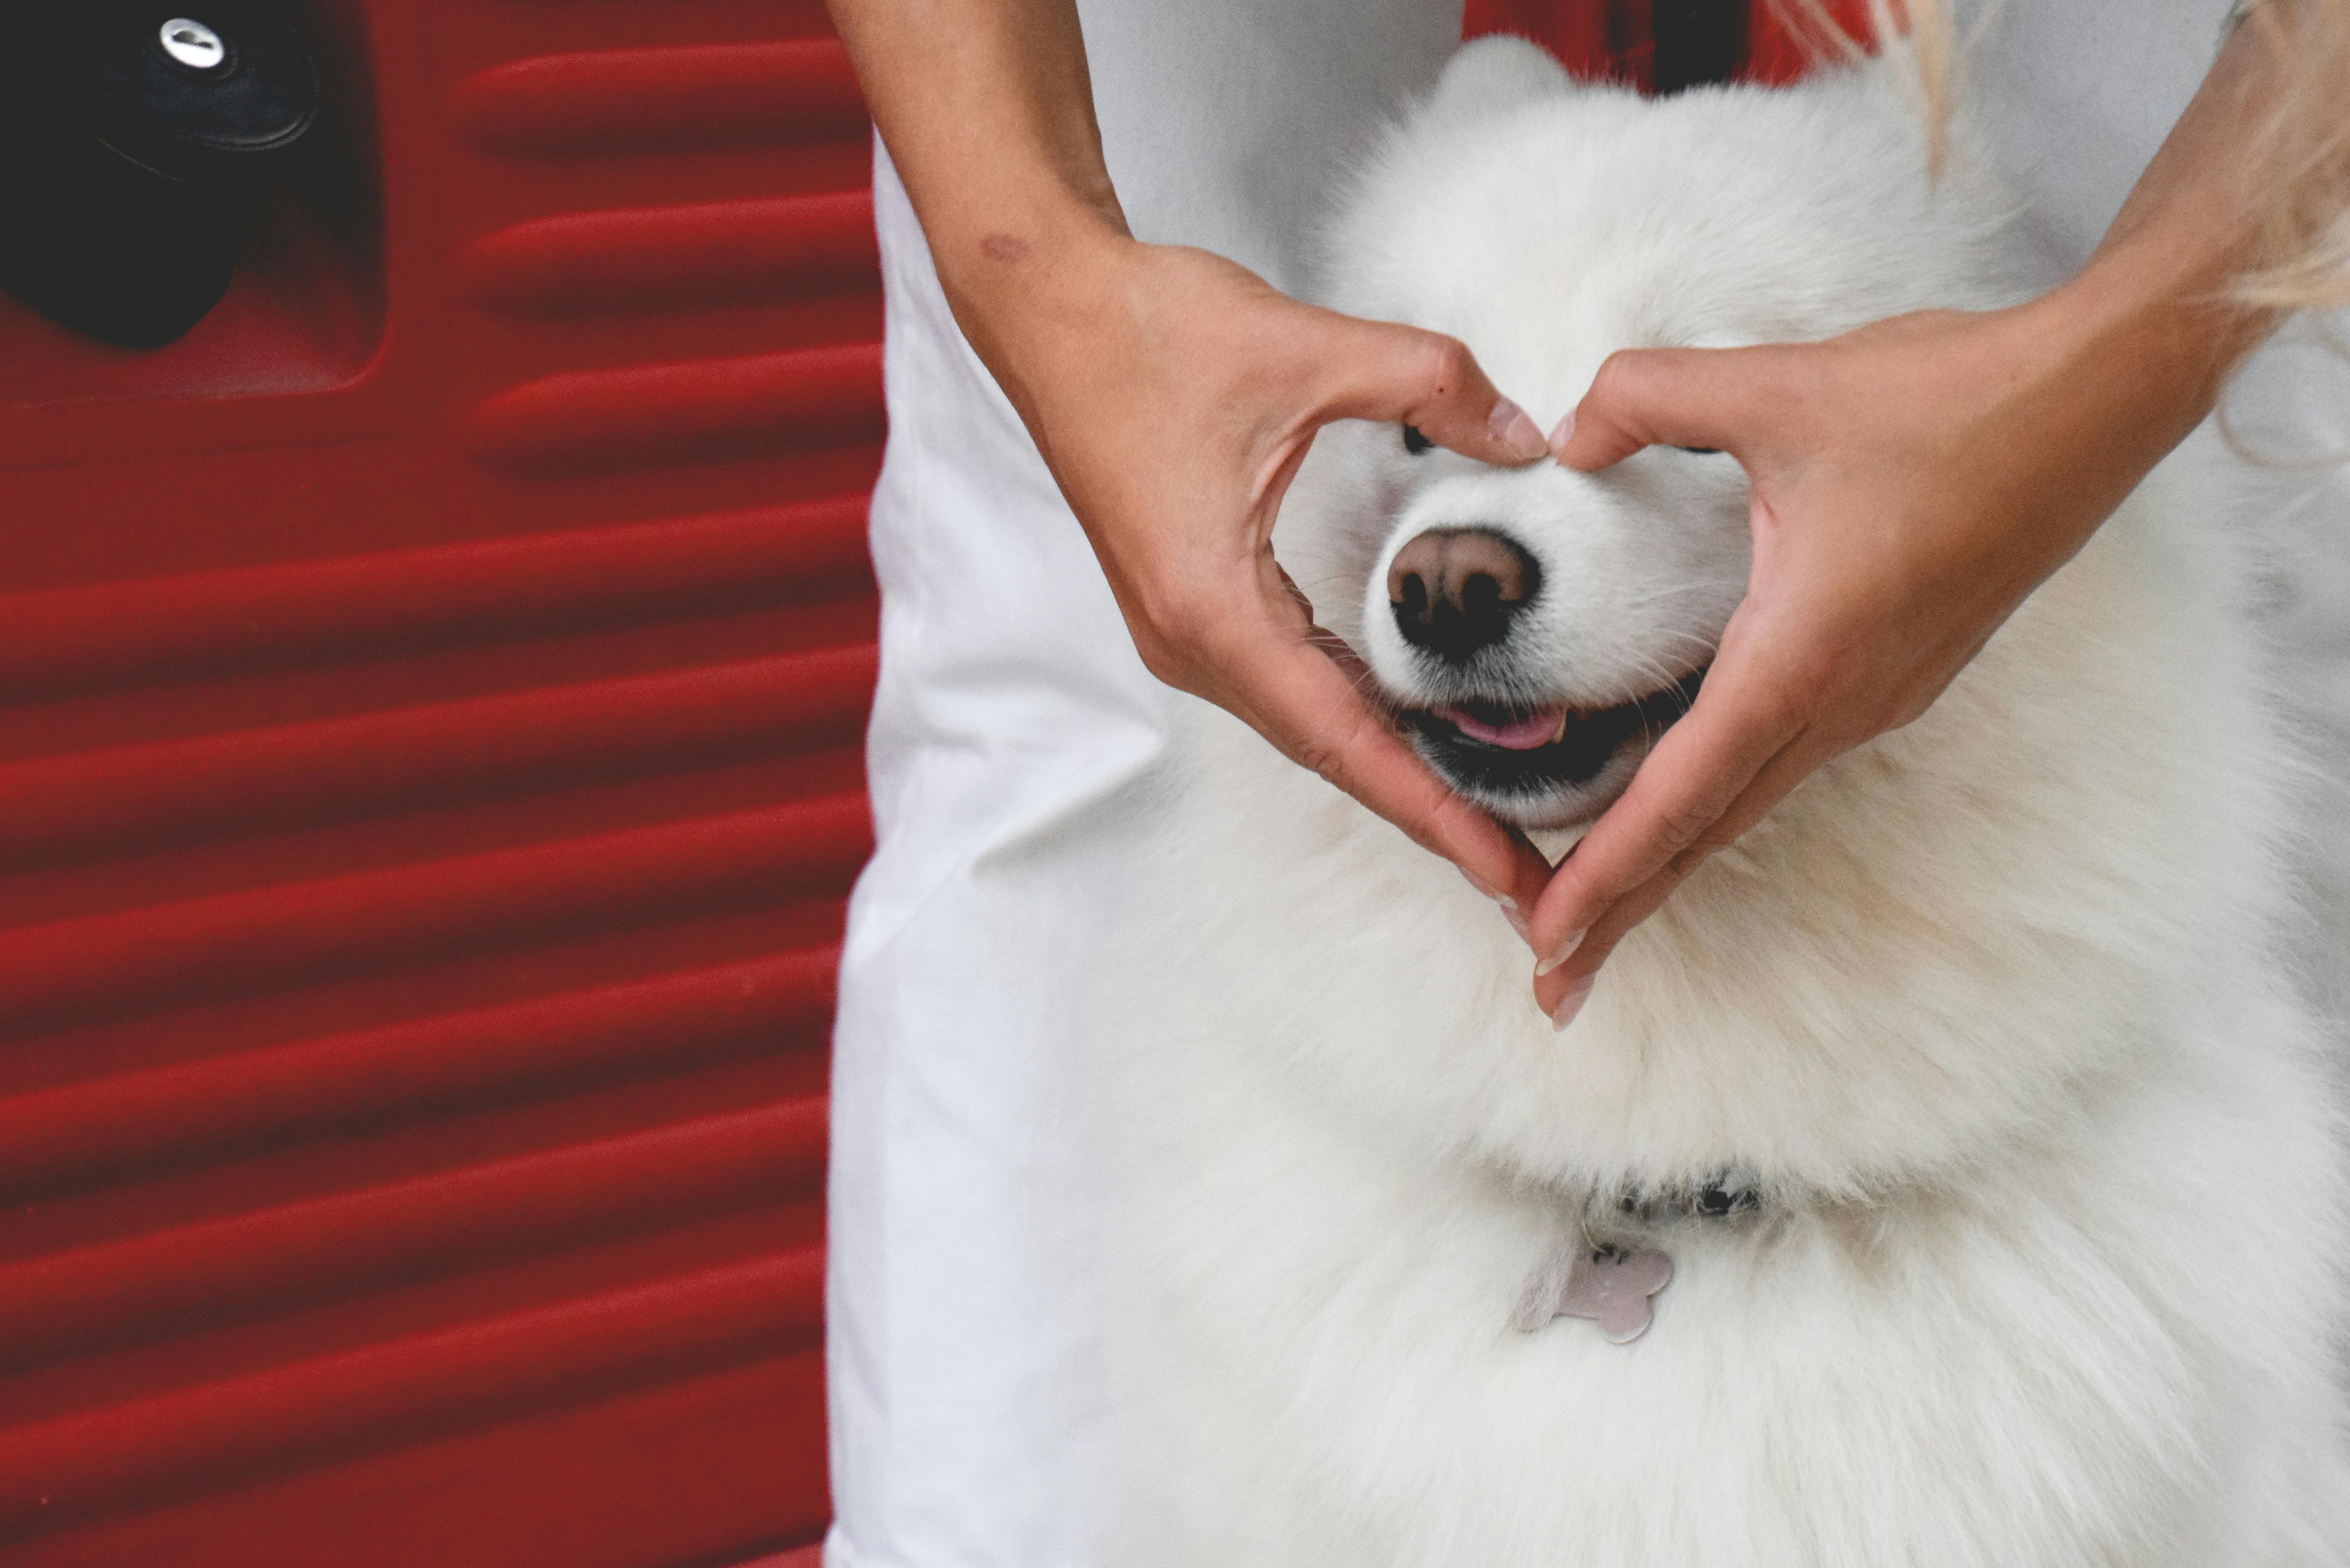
[193, 44]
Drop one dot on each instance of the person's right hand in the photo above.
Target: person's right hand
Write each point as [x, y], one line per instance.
[1173, 395]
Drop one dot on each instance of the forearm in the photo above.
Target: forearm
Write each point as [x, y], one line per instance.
[1172, 393]
[987, 111]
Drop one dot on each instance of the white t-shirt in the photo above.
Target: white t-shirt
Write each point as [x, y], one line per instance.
[1012, 708]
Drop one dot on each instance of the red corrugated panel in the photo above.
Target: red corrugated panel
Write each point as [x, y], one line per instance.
[430, 702]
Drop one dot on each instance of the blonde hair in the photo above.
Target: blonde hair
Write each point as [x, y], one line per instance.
[2304, 156]
[2299, 161]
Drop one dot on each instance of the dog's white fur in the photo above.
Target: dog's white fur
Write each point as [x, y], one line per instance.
[2046, 1272]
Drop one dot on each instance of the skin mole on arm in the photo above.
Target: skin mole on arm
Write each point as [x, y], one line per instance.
[1005, 247]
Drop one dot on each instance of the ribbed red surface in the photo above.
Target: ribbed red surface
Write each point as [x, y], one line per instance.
[427, 792]
[653, 415]
[69, 640]
[574, 105]
[175, 1115]
[600, 261]
[54, 807]
[91, 1462]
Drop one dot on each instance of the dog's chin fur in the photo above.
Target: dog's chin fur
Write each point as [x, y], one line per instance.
[2045, 1272]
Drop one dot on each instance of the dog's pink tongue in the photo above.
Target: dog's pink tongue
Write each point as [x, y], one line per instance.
[1518, 735]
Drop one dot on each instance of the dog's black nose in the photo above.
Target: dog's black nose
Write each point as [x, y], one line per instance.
[1453, 590]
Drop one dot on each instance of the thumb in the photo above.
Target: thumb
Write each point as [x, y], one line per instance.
[1658, 397]
[1402, 375]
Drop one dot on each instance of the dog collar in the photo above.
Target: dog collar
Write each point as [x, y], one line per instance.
[1615, 1286]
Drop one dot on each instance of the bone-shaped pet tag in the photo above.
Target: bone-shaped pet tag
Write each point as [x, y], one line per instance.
[1607, 1285]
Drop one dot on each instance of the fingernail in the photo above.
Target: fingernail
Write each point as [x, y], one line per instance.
[1518, 921]
[1503, 900]
[1517, 434]
[1565, 952]
[1563, 431]
[1568, 1006]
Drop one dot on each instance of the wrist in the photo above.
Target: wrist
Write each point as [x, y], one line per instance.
[1020, 275]
[2153, 332]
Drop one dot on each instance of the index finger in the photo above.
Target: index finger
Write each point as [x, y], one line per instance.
[1395, 374]
[1658, 397]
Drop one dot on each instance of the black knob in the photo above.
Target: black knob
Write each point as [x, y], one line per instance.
[135, 138]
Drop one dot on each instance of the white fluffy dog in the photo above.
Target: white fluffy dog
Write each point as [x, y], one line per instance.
[1988, 1144]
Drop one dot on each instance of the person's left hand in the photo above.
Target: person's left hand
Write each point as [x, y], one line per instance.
[1912, 482]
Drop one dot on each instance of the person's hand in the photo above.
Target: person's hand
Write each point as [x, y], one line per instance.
[1912, 482]
[1173, 394]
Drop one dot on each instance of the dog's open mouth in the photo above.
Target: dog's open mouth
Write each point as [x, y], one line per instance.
[1508, 749]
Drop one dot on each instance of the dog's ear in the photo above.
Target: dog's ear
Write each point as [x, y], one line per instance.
[1492, 75]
